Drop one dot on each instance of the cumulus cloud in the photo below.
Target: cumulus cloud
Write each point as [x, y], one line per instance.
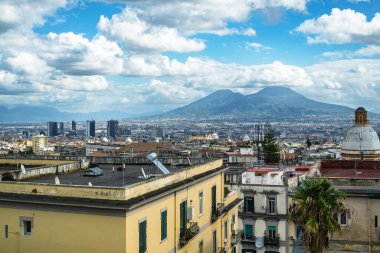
[76, 55]
[14, 12]
[138, 35]
[207, 16]
[342, 26]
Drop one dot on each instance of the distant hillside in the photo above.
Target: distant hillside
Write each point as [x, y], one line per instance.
[32, 114]
[270, 102]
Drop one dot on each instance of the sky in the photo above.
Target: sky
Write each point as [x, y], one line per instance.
[142, 56]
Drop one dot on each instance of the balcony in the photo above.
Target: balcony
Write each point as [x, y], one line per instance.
[247, 238]
[218, 212]
[271, 211]
[271, 241]
[236, 236]
[222, 250]
[191, 231]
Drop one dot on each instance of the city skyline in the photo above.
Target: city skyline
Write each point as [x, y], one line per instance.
[146, 56]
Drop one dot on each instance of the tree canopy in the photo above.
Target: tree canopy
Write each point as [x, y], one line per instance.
[315, 204]
[271, 148]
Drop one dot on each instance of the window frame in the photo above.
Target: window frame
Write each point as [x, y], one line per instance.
[164, 224]
[201, 206]
[23, 224]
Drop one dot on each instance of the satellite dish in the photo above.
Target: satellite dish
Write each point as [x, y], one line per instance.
[57, 180]
[143, 172]
[23, 169]
[89, 184]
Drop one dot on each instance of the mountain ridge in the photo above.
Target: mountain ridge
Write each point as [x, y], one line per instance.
[270, 102]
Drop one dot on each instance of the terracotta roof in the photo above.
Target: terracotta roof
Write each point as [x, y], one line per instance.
[143, 147]
[350, 169]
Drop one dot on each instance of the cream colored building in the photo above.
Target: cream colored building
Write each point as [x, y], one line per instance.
[39, 142]
[263, 214]
[185, 211]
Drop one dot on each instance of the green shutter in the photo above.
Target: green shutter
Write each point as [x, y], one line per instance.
[271, 228]
[248, 231]
[142, 237]
[164, 229]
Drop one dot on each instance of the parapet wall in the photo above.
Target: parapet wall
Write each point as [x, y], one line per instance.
[111, 193]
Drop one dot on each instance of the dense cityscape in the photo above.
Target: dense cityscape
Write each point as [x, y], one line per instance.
[189, 126]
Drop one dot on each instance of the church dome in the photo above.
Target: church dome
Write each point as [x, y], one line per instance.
[361, 140]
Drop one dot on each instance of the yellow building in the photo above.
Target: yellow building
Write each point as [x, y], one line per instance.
[39, 143]
[185, 211]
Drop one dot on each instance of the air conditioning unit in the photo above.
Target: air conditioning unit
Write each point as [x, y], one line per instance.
[190, 213]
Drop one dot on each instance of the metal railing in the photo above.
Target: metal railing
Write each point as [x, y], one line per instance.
[271, 241]
[190, 232]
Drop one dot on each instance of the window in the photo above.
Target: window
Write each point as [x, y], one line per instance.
[343, 219]
[272, 205]
[200, 203]
[200, 247]
[225, 230]
[249, 204]
[26, 226]
[164, 225]
[214, 242]
[142, 237]
[376, 222]
[183, 218]
[6, 231]
[213, 200]
[272, 231]
[248, 231]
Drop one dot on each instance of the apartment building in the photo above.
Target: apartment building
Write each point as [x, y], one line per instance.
[121, 211]
[263, 221]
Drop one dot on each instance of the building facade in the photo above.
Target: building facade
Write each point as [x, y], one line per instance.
[263, 215]
[112, 128]
[186, 211]
[39, 143]
[52, 129]
[90, 128]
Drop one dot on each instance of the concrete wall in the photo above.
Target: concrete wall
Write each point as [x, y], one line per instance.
[361, 226]
[62, 230]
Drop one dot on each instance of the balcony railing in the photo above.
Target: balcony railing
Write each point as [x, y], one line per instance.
[271, 211]
[191, 231]
[236, 236]
[271, 241]
[222, 250]
[217, 212]
[247, 238]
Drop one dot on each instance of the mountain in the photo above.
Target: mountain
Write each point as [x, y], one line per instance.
[32, 114]
[271, 102]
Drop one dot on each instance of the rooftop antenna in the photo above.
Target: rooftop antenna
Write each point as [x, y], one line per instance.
[153, 158]
[57, 180]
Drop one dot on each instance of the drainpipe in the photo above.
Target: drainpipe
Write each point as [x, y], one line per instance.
[175, 221]
[369, 224]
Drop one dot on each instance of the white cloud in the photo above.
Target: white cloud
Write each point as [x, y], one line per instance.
[257, 46]
[139, 35]
[14, 13]
[208, 16]
[74, 54]
[342, 26]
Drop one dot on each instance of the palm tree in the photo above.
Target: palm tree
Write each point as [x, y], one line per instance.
[315, 203]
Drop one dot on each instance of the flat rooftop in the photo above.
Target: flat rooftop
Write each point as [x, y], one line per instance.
[110, 178]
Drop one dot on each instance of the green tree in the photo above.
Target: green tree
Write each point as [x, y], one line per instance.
[314, 205]
[271, 148]
[308, 143]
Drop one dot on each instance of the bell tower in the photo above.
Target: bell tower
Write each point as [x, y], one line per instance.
[360, 117]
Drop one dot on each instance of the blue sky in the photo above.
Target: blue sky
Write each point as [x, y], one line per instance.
[142, 56]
